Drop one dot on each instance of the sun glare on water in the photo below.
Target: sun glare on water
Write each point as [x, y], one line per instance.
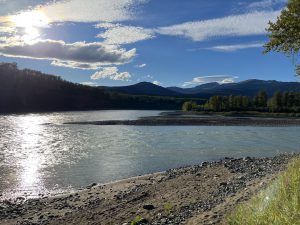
[30, 22]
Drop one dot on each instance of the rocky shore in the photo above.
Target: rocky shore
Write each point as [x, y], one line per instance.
[197, 120]
[202, 194]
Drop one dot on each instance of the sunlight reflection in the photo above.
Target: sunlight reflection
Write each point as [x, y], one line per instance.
[30, 163]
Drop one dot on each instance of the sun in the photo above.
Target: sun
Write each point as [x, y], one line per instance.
[30, 22]
[30, 19]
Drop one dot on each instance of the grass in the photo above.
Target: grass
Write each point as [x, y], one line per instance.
[279, 204]
[168, 207]
[136, 220]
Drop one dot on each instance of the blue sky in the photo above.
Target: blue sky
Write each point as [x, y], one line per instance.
[121, 42]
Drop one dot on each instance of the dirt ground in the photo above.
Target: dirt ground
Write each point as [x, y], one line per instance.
[202, 194]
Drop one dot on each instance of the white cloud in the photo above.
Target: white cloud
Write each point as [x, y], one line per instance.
[253, 23]
[221, 79]
[91, 10]
[87, 83]
[120, 34]
[265, 4]
[232, 48]
[5, 28]
[78, 55]
[76, 65]
[62, 11]
[124, 76]
[105, 73]
[156, 82]
[111, 73]
[12, 6]
[141, 65]
[106, 25]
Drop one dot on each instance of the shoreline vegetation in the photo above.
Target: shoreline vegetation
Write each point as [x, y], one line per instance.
[27, 91]
[205, 119]
[279, 203]
[201, 194]
[281, 102]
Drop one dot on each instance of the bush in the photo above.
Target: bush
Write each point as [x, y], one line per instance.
[189, 106]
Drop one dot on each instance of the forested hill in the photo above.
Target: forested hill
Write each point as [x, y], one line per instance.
[31, 91]
[244, 88]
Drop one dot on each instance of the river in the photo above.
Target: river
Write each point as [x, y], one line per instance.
[41, 155]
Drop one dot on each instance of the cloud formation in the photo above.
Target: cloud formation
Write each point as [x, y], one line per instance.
[88, 83]
[253, 23]
[75, 55]
[12, 6]
[233, 48]
[111, 73]
[156, 82]
[221, 79]
[91, 10]
[141, 65]
[120, 34]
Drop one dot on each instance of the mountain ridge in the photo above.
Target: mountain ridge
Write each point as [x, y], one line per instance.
[247, 88]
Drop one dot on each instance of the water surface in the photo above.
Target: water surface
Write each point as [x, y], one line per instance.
[39, 158]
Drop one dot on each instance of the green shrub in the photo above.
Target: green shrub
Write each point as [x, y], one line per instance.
[136, 220]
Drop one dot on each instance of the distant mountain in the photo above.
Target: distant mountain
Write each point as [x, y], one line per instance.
[197, 89]
[145, 88]
[28, 91]
[247, 88]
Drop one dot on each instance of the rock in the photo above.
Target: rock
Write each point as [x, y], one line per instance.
[204, 164]
[143, 221]
[163, 220]
[247, 159]
[223, 184]
[148, 207]
[91, 185]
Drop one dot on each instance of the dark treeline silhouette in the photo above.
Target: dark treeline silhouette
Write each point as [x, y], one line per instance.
[279, 102]
[32, 91]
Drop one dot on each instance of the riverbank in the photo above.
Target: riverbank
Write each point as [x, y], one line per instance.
[201, 194]
[196, 119]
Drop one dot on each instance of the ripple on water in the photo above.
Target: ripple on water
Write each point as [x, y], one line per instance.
[36, 157]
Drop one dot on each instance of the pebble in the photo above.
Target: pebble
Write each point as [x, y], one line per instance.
[148, 207]
[246, 169]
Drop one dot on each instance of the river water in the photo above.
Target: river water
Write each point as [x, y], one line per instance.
[39, 154]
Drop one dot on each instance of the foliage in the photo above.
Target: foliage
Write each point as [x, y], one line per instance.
[261, 99]
[168, 207]
[28, 91]
[136, 220]
[189, 106]
[279, 204]
[280, 102]
[285, 32]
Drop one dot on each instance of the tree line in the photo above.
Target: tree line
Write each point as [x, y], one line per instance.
[279, 102]
[32, 91]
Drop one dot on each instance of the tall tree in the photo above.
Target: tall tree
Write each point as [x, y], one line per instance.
[285, 32]
[276, 101]
[285, 99]
[261, 99]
